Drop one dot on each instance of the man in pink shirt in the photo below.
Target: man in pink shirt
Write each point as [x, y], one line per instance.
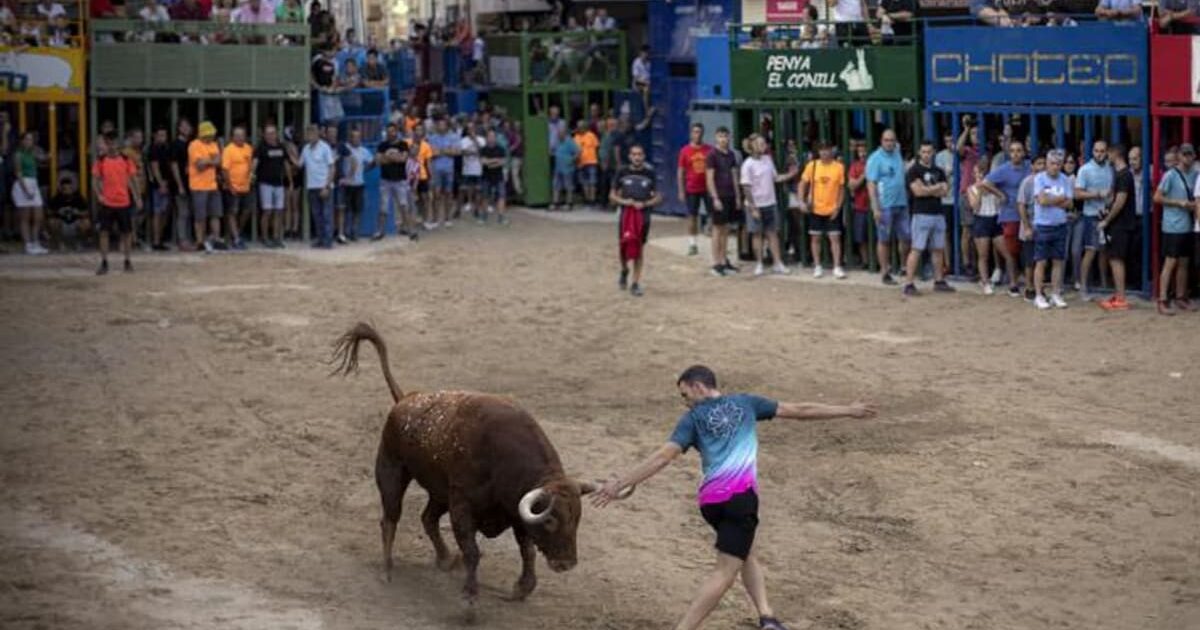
[255, 12]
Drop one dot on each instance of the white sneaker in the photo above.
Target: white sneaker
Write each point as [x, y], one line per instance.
[1058, 301]
[988, 289]
[1041, 303]
[30, 249]
[839, 273]
[996, 277]
[758, 269]
[39, 250]
[449, 224]
[818, 271]
[781, 270]
[429, 226]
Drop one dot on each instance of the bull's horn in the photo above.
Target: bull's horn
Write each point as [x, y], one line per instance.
[525, 507]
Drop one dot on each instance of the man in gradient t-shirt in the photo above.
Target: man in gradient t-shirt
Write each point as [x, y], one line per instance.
[724, 430]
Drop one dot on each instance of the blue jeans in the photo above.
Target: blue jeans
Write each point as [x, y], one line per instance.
[893, 221]
[322, 212]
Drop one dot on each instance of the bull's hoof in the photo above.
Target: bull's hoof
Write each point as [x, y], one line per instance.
[523, 589]
[385, 577]
[470, 616]
[450, 563]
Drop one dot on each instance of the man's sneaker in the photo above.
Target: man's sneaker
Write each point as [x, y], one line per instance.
[889, 280]
[1041, 303]
[987, 288]
[839, 273]
[1164, 308]
[30, 250]
[1184, 304]
[239, 245]
[220, 245]
[1014, 291]
[623, 281]
[1085, 295]
[693, 250]
[414, 237]
[996, 276]
[941, 286]
[1114, 303]
[635, 290]
[103, 268]
[818, 271]
[718, 270]
[208, 247]
[731, 267]
[758, 269]
[1058, 301]
[781, 270]
[910, 290]
[1030, 295]
[449, 224]
[159, 247]
[128, 266]
[341, 239]
[428, 226]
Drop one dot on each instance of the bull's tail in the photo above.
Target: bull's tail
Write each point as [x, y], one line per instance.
[345, 354]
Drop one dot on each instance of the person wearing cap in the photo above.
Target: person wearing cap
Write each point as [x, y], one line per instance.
[1177, 195]
[1053, 197]
[204, 158]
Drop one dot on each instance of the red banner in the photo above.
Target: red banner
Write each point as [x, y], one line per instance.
[1174, 69]
[786, 10]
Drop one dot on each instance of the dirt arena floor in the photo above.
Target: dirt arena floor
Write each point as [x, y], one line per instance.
[175, 455]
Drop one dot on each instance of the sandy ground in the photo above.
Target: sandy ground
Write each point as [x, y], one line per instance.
[175, 455]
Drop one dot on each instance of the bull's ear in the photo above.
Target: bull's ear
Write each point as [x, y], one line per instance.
[588, 487]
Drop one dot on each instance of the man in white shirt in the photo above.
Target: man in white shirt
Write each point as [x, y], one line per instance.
[641, 75]
[758, 179]
[317, 160]
[472, 172]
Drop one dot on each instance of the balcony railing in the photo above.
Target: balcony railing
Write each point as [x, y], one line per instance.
[548, 61]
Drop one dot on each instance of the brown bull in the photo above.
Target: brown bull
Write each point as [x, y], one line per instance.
[481, 458]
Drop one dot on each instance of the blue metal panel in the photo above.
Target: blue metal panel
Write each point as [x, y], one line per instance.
[1098, 64]
[462, 100]
[712, 67]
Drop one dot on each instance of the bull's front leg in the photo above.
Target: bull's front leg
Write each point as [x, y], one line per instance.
[528, 580]
[463, 524]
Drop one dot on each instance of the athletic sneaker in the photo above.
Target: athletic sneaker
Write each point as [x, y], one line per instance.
[987, 288]
[839, 273]
[1041, 303]
[239, 245]
[889, 280]
[128, 266]
[341, 239]
[103, 268]
[208, 247]
[758, 269]
[449, 224]
[378, 236]
[220, 245]
[781, 270]
[635, 290]
[718, 270]
[623, 281]
[996, 276]
[941, 286]
[1030, 295]
[1058, 301]
[1014, 291]
[770, 623]
[818, 271]
[910, 290]
[693, 250]
[731, 267]
[1085, 295]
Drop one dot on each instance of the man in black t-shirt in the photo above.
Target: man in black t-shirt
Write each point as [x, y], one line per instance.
[721, 177]
[927, 185]
[177, 178]
[270, 164]
[1121, 226]
[392, 157]
[69, 217]
[634, 192]
[493, 158]
[324, 71]
[160, 186]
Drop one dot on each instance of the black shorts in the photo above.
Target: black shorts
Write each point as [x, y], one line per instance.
[694, 200]
[1177, 245]
[728, 214]
[645, 224]
[423, 187]
[735, 522]
[1120, 244]
[818, 225]
[122, 218]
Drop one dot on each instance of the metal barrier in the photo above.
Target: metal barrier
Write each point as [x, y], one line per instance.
[1059, 83]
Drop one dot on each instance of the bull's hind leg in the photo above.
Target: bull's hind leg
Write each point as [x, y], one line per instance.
[429, 519]
[528, 580]
[392, 478]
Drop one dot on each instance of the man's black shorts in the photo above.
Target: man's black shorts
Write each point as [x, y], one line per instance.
[122, 218]
[645, 225]
[1120, 244]
[735, 522]
[423, 187]
[694, 200]
[728, 214]
[1177, 245]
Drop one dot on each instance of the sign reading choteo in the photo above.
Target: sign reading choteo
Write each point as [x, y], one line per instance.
[868, 73]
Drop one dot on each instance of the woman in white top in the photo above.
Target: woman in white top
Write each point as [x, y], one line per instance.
[985, 228]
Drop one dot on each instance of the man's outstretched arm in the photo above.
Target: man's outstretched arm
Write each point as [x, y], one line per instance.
[818, 411]
[647, 469]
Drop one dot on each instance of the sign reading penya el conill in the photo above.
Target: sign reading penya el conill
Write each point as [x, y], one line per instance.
[843, 73]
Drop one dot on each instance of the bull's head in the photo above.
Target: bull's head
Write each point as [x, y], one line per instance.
[551, 514]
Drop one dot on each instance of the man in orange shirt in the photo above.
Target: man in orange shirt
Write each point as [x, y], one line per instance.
[116, 185]
[236, 162]
[822, 191]
[204, 158]
[424, 153]
[589, 160]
